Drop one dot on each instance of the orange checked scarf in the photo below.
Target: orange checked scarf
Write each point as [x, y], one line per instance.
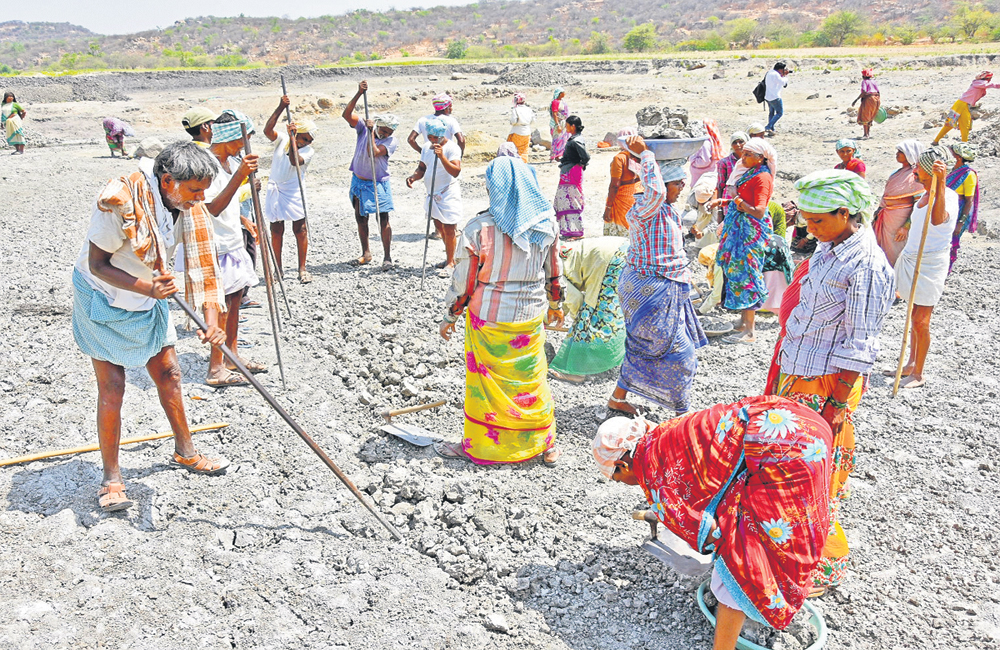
[131, 198]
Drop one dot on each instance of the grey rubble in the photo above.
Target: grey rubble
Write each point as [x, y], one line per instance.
[277, 554]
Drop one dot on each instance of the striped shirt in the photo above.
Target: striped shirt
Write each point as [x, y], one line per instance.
[725, 168]
[657, 241]
[845, 297]
[510, 285]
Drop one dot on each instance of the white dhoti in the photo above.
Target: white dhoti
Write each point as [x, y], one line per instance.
[930, 284]
[447, 204]
[284, 202]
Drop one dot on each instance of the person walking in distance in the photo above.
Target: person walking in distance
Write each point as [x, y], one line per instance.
[775, 82]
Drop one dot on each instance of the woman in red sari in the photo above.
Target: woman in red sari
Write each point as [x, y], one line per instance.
[748, 482]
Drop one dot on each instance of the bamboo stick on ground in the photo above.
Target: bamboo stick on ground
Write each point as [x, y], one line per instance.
[127, 441]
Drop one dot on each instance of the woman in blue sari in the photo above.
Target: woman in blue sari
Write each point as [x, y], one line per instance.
[746, 232]
[662, 331]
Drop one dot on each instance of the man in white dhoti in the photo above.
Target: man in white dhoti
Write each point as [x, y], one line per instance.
[446, 201]
[283, 202]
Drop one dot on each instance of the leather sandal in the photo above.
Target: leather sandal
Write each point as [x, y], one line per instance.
[200, 464]
[111, 498]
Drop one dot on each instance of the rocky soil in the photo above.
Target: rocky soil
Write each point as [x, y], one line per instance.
[277, 553]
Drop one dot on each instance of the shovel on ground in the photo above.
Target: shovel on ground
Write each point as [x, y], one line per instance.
[671, 549]
[410, 433]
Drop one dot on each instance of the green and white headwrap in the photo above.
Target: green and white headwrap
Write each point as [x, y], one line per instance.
[229, 131]
[931, 155]
[847, 142]
[965, 150]
[829, 190]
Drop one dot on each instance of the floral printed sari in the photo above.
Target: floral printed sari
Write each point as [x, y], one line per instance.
[508, 406]
[760, 470]
[742, 247]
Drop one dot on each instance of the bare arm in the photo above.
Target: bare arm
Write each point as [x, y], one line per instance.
[417, 175]
[460, 139]
[453, 167]
[612, 193]
[220, 202]
[348, 113]
[269, 132]
[99, 262]
[939, 213]
[412, 141]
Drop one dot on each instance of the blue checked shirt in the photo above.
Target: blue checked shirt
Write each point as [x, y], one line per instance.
[657, 241]
[844, 300]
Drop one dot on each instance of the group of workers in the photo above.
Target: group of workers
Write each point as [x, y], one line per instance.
[774, 468]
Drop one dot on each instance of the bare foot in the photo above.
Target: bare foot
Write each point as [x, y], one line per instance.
[907, 370]
[621, 405]
[912, 381]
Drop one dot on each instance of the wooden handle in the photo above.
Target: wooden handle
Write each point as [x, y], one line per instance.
[128, 441]
[414, 409]
[554, 328]
[931, 197]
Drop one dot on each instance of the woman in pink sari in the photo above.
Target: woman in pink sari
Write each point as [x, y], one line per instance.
[558, 112]
[901, 191]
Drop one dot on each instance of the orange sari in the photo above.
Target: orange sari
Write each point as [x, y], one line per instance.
[624, 198]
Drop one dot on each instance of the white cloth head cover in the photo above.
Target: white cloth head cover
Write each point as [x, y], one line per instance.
[762, 147]
[616, 437]
[626, 132]
[755, 128]
[911, 149]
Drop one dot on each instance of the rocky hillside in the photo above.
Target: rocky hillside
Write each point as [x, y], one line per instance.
[502, 29]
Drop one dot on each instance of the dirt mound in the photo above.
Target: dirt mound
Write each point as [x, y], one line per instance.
[534, 75]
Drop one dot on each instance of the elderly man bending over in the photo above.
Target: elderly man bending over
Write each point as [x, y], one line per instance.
[120, 286]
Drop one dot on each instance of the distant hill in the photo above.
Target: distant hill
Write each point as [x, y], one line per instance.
[497, 29]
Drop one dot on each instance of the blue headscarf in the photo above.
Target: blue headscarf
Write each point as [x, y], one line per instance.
[231, 130]
[518, 207]
[436, 127]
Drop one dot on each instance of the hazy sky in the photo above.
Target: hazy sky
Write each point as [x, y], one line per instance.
[120, 17]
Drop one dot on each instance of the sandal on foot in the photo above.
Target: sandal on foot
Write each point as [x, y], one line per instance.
[738, 337]
[388, 265]
[551, 456]
[111, 498]
[229, 379]
[254, 368]
[249, 304]
[305, 277]
[200, 464]
[441, 265]
[450, 450]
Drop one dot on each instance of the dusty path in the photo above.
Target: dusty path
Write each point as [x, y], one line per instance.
[276, 554]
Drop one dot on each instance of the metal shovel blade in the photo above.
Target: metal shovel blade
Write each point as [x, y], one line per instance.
[676, 554]
[411, 434]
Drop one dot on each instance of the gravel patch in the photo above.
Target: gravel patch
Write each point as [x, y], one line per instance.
[277, 553]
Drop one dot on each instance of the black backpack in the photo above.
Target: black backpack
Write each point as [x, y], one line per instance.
[759, 91]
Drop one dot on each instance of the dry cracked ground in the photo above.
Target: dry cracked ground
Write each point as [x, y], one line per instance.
[278, 554]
